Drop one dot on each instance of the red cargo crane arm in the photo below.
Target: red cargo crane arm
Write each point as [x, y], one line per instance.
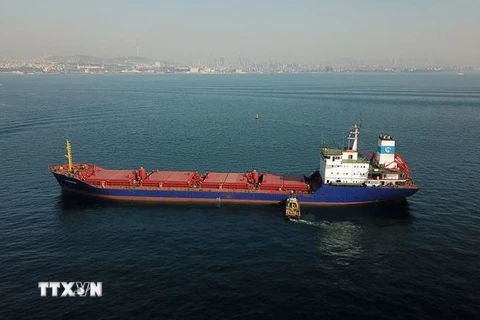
[372, 156]
[402, 164]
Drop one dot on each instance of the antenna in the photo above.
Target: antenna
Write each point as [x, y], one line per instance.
[353, 136]
[138, 48]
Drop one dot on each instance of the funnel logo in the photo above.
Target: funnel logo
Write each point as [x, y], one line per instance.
[71, 289]
[386, 149]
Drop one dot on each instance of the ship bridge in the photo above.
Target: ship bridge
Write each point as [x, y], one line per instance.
[344, 166]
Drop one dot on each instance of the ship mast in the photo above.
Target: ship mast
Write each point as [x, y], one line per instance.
[354, 136]
[69, 156]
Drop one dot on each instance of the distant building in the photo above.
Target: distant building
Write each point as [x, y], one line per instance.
[89, 68]
[207, 70]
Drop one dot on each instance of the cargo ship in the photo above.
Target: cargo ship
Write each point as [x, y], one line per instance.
[344, 177]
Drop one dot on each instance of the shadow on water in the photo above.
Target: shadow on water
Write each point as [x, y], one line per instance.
[73, 202]
[68, 203]
[381, 213]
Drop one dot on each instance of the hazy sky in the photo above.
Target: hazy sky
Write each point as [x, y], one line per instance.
[304, 31]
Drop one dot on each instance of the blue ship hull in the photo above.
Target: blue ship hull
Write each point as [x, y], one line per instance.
[325, 195]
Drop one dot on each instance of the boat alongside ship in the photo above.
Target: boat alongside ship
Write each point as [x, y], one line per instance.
[344, 177]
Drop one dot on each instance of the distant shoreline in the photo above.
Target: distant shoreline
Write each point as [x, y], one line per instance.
[13, 73]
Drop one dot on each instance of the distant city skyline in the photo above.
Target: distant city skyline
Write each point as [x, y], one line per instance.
[442, 32]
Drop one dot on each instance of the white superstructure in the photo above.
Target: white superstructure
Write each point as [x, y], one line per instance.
[344, 166]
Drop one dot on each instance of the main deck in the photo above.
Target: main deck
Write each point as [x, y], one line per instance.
[173, 180]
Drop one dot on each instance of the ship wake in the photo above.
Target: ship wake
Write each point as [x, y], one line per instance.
[310, 223]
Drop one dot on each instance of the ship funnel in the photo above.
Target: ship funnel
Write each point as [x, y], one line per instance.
[385, 154]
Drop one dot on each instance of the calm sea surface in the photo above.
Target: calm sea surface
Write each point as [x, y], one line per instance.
[415, 260]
